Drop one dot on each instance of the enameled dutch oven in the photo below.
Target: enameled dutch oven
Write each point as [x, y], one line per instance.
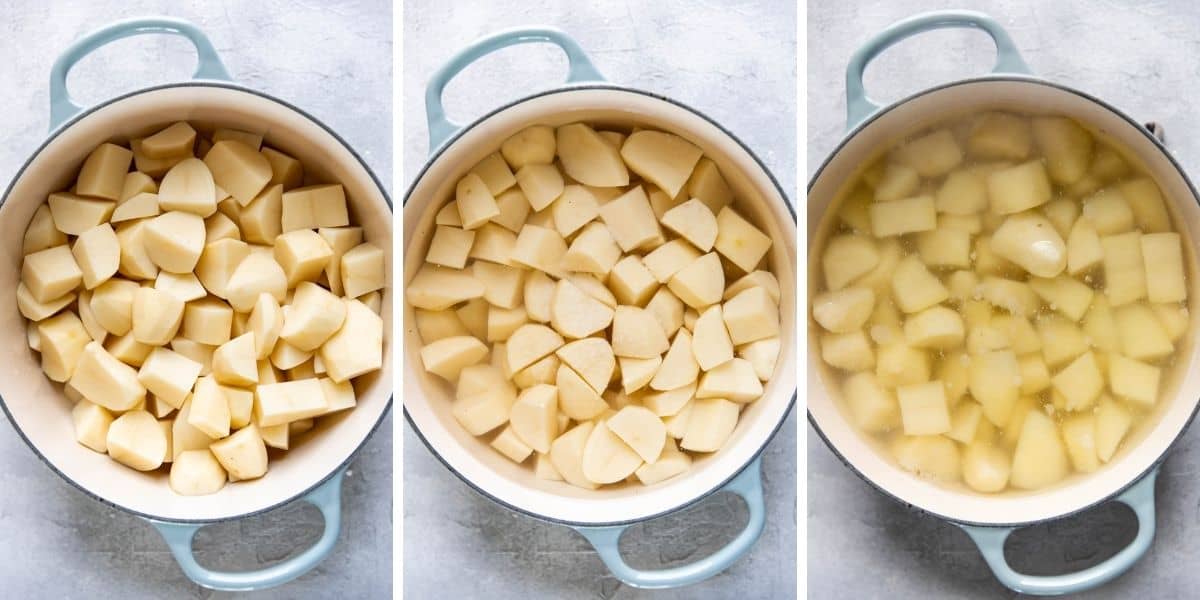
[1130, 477]
[312, 471]
[600, 515]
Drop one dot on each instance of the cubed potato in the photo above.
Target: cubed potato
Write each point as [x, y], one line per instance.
[266, 323]
[252, 140]
[188, 187]
[575, 207]
[936, 327]
[679, 367]
[945, 247]
[964, 422]
[589, 159]
[503, 285]
[952, 371]
[529, 344]
[636, 373]
[1124, 269]
[540, 248]
[217, 263]
[664, 159]
[510, 445]
[641, 430]
[1109, 212]
[324, 205]
[739, 241]
[178, 138]
[1112, 423]
[207, 321]
[670, 463]
[1019, 333]
[91, 423]
[1146, 202]
[577, 399]
[41, 232]
[1016, 297]
[846, 258]
[514, 208]
[694, 222]
[631, 282]
[156, 316]
[473, 316]
[219, 226]
[541, 185]
[923, 408]
[929, 456]
[103, 379]
[239, 169]
[103, 172]
[257, 273]
[494, 244]
[51, 273]
[1084, 250]
[872, 405]
[668, 309]
[209, 409]
[669, 258]
[1062, 340]
[733, 379]
[962, 193]
[154, 167]
[899, 364]
[234, 362]
[502, 322]
[1067, 295]
[128, 350]
[903, 216]
[304, 254]
[1000, 136]
[136, 440]
[169, 376]
[439, 288]
[1040, 458]
[1030, 241]
[285, 170]
[592, 358]
[1174, 319]
[710, 424]
[357, 347]
[243, 454]
[261, 221]
[363, 270]
[1080, 383]
[592, 251]
[1035, 376]
[995, 381]
[314, 315]
[97, 254]
[495, 173]
[532, 145]
[708, 185]
[636, 333]
[1162, 254]
[174, 241]
[1134, 380]
[898, 181]
[1140, 333]
[197, 473]
[567, 451]
[931, 155]
[1061, 213]
[985, 468]
[36, 311]
[711, 342]
[1014, 189]
[575, 314]
[631, 221]
[280, 403]
[849, 351]
[700, 283]
[1066, 145]
[914, 288]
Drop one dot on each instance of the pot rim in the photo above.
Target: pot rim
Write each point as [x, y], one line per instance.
[437, 154]
[1031, 80]
[209, 84]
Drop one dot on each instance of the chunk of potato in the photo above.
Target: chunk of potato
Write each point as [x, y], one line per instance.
[914, 288]
[1146, 202]
[156, 316]
[709, 425]
[174, 241]
[636, 373]
[936, 327]
[51, 273]
[762, 354]
[1134, 380]
[280, 403]
[243, 455]
[188, 187]
[1112, 423]
[733, 379]
[1067, 295]
[169, 376]
[533, 145]
[136, 440]
[1002, 136]
[1140, 333]
[91, 423]
[197, 473]
[995, 381]
[849, 351]
[931, 456]
[1080, 383]
[1014, 189]
[234, 362]
[588, 158]
[923, 408]
[1079, 433]
[1030, 241]
[631, 282]
[1162, 255]
[664, 159]
[899, 364]
[239, 169]
[873, 406]
[567, 452]
[1066, 145]
[438, 288]
[636, 333]
[985, 468]
[898, 181]
[1040, 458]
[103, 172]
[357, 347]
[1109, 212]
[709, 186]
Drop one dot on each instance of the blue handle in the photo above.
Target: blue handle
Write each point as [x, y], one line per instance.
[859, 106]
[748, 485]
[990, 540]
[327, 498]
[579, 68]
[208, 63]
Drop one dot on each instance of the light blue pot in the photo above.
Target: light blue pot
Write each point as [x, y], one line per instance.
[861, 112]
[324, 493]
[583, 74]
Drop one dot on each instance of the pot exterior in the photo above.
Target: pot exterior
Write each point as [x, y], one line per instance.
[427, 398]
[1147, 447]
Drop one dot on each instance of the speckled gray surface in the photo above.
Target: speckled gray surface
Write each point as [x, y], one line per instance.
[334, 61]
[1140, 56]
[738, 65]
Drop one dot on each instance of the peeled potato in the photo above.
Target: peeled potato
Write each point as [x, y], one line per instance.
[197, 473]
[606, 457]
[587, 158]
[664, 159]
[710, 424]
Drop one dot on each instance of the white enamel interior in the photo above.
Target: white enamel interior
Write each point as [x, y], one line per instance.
[427, 398]
[38, 407]
[1146, 445]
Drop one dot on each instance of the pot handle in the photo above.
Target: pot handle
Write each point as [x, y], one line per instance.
[990, 540]
[579, 68]
[327, 498]
[747, 484]
[859, 106]
[208, 63]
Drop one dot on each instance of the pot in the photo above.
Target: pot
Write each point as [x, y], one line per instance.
[1130, 477]
[600, 515]
[313, 470]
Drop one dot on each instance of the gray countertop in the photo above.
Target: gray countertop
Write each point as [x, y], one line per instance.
[738, 65]
[1141, 57]
[334, 62]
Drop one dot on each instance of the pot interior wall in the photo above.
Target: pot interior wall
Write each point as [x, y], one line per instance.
[37, 405]
[427, 398]
[1146, 444]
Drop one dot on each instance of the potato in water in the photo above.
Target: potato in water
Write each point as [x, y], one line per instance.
[198, 304]
[1000, 299]
[555, 298]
